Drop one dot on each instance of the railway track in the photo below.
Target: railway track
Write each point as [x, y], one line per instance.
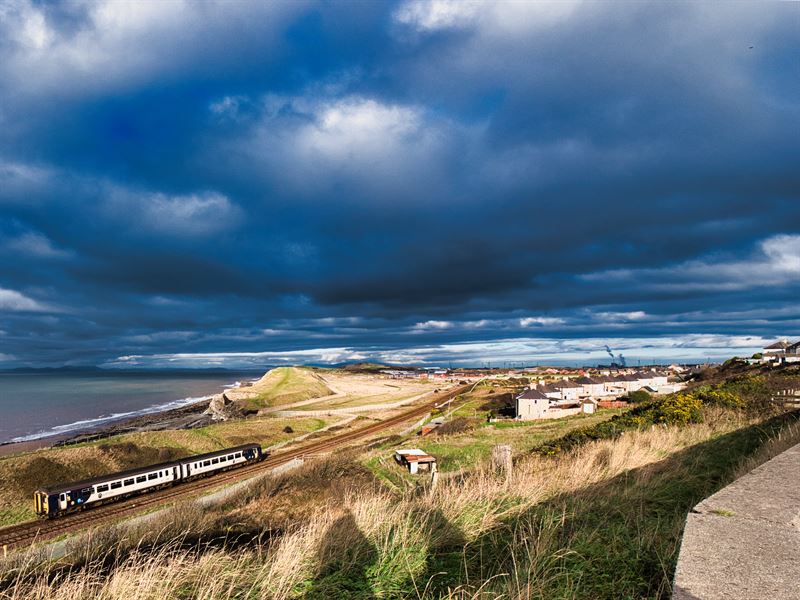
[31, 532]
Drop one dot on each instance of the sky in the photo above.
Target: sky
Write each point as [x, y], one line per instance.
[248, 183]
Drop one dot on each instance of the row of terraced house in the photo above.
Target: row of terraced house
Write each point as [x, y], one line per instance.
[583, 394]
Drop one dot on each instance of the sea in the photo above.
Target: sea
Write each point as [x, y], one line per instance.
[46, 403]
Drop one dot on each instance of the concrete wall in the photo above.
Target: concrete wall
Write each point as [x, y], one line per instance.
[744, 541]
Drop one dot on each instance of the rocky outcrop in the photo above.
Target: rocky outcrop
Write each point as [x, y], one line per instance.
[222, 408]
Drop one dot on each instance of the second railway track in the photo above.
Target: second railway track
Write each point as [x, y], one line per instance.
[38, 531]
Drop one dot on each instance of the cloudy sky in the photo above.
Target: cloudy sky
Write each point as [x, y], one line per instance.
[249, 183]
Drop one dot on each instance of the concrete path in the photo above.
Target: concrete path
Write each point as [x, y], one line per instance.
[744, 541]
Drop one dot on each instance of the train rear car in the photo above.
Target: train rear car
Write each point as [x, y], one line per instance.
[221, 460]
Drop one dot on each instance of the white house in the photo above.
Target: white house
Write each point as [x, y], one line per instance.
[532, 404]
[550, 391]
[591, 388]
[569, 390]
[777, 349]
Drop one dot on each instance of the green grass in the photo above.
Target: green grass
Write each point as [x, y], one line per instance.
[464, 450]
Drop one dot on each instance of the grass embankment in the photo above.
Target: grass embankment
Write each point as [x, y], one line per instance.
[23, 474]
[601, 518]
[281, 386]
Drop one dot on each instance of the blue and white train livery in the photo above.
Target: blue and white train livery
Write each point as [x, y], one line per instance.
[69, 497]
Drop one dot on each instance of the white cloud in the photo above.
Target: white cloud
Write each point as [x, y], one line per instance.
[194, 214]
[35, 244]
[614, 317]
[432, 325]
[774, 261]
[14, 301]
[120, 43]
[19, 180]
[541, 321]
[311, 144]
[692, 347]
[187, 215]
[485, 15]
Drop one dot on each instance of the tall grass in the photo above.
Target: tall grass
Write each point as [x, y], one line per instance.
[601, 521]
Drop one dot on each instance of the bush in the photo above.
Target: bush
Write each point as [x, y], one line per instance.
[719, 396]
[675, 409]
[639, 397]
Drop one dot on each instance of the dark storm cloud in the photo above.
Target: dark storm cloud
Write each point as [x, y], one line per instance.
[395, 180]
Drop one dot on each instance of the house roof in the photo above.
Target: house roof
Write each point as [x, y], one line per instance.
[565, 383]
[587, 381]
[779, 345]
[532, 394]
[548, 388]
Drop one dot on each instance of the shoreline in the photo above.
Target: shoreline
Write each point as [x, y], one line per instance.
[189, 416]
[185, 417]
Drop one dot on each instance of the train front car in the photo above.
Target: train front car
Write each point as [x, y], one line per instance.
[71, 497]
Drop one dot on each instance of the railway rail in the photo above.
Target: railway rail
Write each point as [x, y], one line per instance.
[32, 532]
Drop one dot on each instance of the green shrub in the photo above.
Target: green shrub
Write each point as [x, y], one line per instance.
[639, 397]
[719, 396]
[675, 409]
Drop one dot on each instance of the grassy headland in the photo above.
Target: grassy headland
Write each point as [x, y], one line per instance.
[601, 517]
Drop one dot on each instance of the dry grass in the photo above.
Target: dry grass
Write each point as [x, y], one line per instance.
[280, 386]
[602, 521]
[22, 474]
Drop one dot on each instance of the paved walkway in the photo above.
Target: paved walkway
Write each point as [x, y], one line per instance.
[744, 541]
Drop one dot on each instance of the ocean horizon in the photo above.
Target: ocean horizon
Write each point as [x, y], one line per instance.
[43, 403]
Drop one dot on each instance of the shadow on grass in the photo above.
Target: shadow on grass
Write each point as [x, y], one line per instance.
[616, 539]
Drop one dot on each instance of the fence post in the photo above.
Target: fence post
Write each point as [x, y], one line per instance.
[502, 461]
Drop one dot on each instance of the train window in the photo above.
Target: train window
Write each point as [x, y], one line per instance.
[214, 461]
[238, 455]
[128, 481]
[63, 497]
[206, 463]
[153, 476]
[102, 488]
[141, 478]
[116, 485]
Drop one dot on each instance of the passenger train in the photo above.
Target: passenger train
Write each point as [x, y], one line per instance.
[70, 497]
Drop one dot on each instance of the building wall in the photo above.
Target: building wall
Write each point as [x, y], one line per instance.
[532, 410]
